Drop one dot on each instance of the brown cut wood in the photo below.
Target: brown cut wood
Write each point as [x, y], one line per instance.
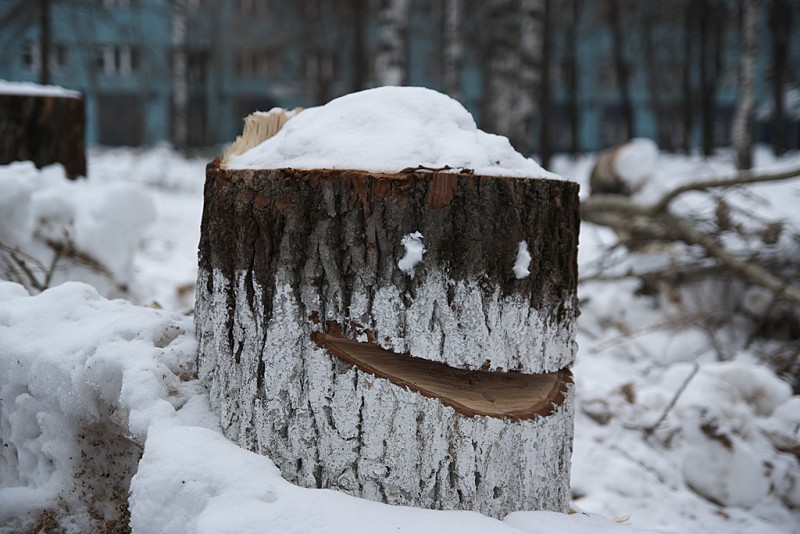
[493, 394]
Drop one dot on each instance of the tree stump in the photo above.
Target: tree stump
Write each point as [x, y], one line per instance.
[328, 346]
[44, 128]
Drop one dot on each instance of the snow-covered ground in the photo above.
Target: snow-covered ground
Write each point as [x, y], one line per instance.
[96, 394]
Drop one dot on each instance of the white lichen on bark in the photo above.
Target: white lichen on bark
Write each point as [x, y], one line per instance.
[329, 424]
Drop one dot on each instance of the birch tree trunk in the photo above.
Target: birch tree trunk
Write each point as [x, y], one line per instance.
[512, 69]
[452, 50]
[742, 128]
[391, 61]
[180, 81]
[327, 345]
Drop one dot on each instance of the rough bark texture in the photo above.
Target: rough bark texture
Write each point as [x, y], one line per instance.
[291, 260]
[44, 130]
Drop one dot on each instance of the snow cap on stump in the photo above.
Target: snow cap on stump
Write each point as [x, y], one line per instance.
[386, 300]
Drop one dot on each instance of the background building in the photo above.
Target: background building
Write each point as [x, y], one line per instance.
[553, 75]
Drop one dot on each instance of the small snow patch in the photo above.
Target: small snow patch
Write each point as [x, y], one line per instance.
[414, 251]
[33, 89]
[523, 261]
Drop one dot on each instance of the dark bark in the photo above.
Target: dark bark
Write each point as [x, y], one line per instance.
[780, 24]
[545, 144]
[500, 67]
[359, 17]
[44, 130]
[652, 70]
[573, 78]
[711, 23]
[688, 98]
[472, 225]
[44, 42]
[621, 66]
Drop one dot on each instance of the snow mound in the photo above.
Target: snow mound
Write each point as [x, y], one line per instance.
[81, 380]
[83, 229]
[388, 129]
[87, 382]
[636, 161]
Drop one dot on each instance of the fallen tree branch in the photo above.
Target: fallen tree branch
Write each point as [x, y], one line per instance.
[651, 223]
[743, 178]
[748, 270]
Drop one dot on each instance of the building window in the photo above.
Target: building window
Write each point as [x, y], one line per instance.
[31, 58]
[118, 60]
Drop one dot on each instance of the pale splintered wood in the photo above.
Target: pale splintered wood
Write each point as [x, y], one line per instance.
[258, 127]
[494, 394]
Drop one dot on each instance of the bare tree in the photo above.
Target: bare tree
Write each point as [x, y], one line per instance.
[780, 25]
[711, 22]
[511, 67]
[180, 82]
[391, 63]
[652, 70]
[358, 17]
[545, 135]
[452, 50]
[622, 67]
[743, 118]
[571, 73]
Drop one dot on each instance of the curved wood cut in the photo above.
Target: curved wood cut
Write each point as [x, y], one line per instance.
[493, 394]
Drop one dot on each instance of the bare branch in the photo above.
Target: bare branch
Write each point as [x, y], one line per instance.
[648, 431]
[656, 223]
[748, 270]
[743, 178]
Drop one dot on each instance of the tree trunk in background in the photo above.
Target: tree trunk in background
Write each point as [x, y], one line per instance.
[452, 50]
[501, 70]
[621, 67]
[359, 17]
[512, 69]
[180, 81]
[743, 117]
[44, 42]
[391, 62]
[545, 135]
[533, 64]
[652, 70]
[691, 11]
[44, 130]
[780, 24]
[712, 17]
[572, 78]
[311, 327]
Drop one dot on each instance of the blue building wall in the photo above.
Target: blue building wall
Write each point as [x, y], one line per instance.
[246, 55]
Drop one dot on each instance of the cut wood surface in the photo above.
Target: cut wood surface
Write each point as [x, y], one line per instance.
[494, 394]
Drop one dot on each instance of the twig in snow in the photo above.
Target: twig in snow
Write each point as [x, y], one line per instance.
[648, 430]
